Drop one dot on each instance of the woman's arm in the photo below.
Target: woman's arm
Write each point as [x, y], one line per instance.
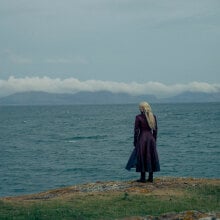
[156, 129]
[136, 130]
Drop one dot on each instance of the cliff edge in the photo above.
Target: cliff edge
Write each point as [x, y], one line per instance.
[166, 198]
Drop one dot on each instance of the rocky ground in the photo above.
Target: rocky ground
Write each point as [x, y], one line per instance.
[166, 186]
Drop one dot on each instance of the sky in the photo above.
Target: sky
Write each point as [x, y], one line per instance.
[161, 47]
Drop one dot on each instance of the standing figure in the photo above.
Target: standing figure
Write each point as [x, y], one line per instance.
[145, 136]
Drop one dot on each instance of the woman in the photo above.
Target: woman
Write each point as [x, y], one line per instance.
[144, 156]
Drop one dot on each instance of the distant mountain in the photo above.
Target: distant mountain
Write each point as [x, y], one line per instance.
[195, 97]
[44, 98]
[102, 97]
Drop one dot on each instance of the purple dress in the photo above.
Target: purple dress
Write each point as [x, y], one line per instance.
[144, 157]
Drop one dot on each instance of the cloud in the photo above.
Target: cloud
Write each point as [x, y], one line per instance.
[73, 85]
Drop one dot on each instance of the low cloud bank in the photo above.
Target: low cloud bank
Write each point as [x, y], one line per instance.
[73, 85]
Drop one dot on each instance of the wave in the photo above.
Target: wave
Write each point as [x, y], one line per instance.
[94, 137]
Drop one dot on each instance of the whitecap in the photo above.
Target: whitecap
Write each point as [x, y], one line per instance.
[71, 141]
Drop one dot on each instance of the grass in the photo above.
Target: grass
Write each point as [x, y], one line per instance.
[112, 205]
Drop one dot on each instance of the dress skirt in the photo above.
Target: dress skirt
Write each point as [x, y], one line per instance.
[144, 157]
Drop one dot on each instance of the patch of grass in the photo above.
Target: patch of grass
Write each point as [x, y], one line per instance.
[113, 205]
[207, 197]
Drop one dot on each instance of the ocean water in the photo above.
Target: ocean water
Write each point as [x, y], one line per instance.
[46, 147]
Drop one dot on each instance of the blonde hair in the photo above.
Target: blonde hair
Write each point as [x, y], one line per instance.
[146, 109]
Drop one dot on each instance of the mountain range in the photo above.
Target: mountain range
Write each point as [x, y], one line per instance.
[102, 97]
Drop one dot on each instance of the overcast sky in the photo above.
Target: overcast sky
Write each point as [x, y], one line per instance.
[142, 46]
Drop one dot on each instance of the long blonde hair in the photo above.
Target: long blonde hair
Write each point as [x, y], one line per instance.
[146, 109]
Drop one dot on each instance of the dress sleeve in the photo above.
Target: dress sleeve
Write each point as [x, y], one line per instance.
[136, 130]
[156, 129]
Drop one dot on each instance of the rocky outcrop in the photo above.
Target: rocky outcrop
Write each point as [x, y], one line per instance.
[162, 187]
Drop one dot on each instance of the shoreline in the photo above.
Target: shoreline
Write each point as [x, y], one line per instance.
[167, 198]
[117, 186]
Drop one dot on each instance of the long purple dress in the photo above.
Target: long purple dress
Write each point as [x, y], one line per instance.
[145, 156]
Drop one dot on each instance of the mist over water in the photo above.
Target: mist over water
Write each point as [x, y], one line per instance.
[46, 147]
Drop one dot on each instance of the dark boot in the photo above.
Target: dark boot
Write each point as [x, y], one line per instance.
[150, 177]
[143, 178]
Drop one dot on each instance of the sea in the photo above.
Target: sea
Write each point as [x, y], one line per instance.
[48, 147]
